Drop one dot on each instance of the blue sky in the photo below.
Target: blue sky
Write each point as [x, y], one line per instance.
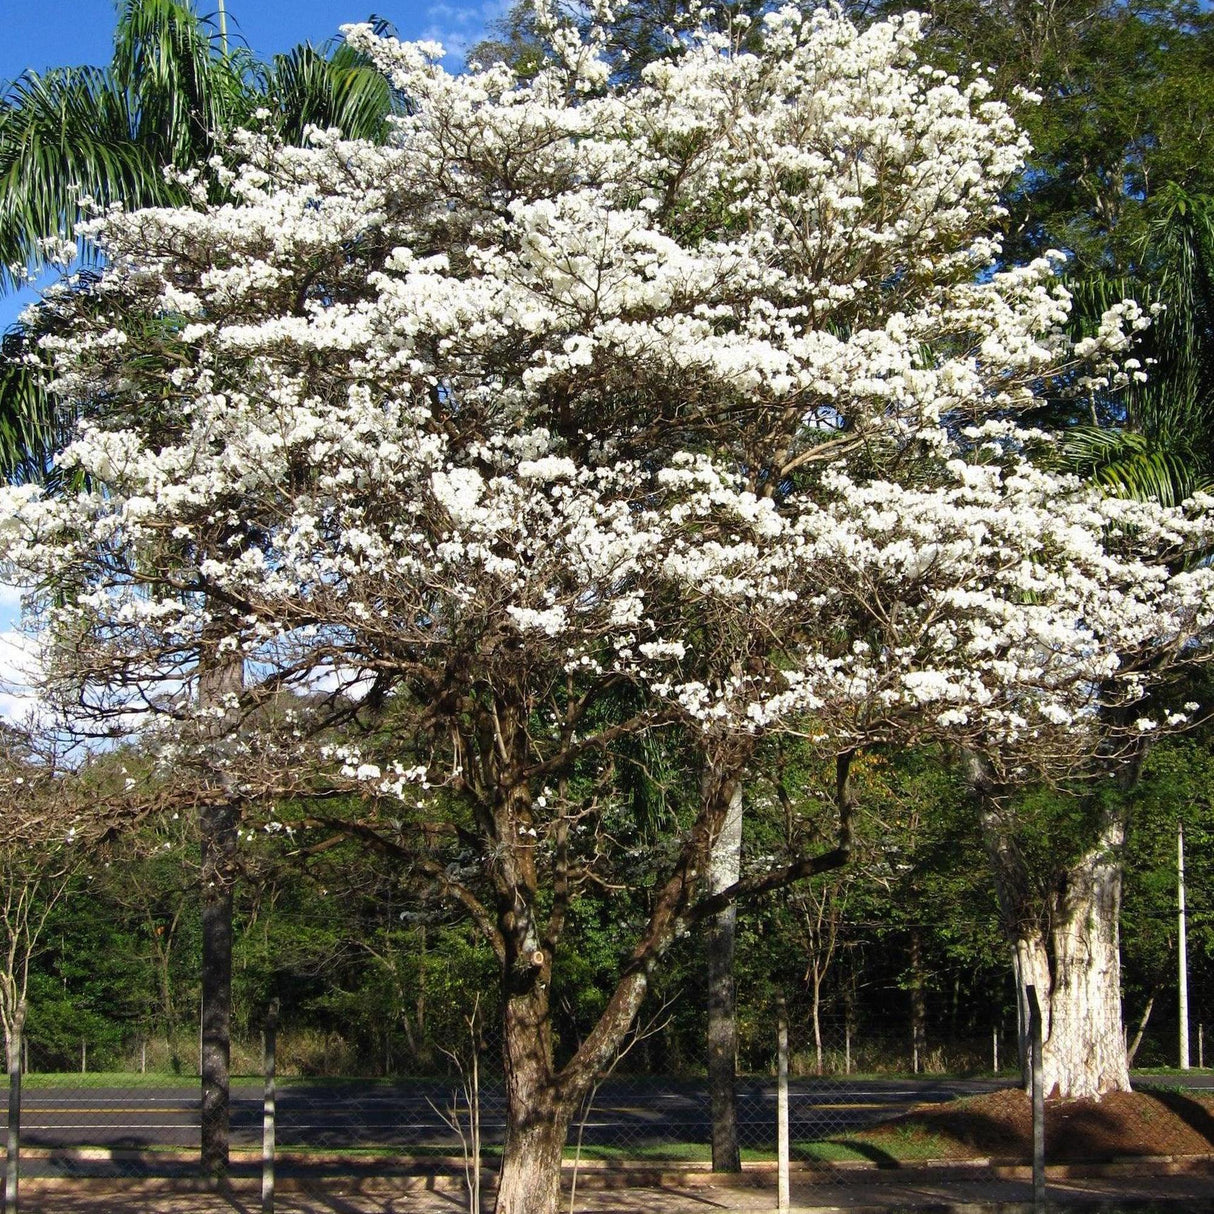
[50, 33]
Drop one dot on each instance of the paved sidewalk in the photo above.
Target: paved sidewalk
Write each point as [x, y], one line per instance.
[912, 1192]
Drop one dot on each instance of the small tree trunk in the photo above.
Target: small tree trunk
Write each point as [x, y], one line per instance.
[218, 861]
[1132, 1049]
[918, 1000]
[724, 869]
[817, 1019]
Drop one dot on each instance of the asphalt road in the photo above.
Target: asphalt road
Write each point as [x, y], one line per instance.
[625, 1113]
[638, 1113]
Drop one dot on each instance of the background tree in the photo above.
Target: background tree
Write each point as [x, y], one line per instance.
[171, 98]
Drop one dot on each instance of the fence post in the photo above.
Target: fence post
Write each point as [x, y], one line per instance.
[995, 1049]
[1182, 957]
[782, 1105]
[12, 1168]
[268, 1113]
[1038, 1101]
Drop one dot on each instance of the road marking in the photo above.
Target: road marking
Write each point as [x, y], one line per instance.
[109, 1110]
[92, 1125]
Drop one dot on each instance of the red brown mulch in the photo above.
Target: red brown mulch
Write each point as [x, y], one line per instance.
[1118, 1126]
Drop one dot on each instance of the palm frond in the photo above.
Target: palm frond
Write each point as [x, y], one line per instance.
[30, 428]
[63, 135]
[1128, 464]
[183, 93]
[307, 87]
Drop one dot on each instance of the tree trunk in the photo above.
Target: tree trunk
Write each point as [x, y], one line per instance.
[218, 862]
[725, 867]
[1132, 1048]
[1074, 962]
[538, 1112]
[220, 677]
[1085, 1050]
[918, 1002]
[530, 1180]
[816, 1014]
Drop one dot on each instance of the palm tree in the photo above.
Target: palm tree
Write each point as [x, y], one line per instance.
[170, 96]
[109, 133]
[1159, 443]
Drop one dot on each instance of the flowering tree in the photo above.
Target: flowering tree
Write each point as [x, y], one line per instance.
[581, 411]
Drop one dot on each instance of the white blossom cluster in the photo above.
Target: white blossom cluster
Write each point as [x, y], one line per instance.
[706, 384]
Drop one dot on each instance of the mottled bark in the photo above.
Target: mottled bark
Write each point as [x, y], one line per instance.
[725, 867]
[1065, 941]
[538, 1106]
[1085, 1051]
[538, 1111]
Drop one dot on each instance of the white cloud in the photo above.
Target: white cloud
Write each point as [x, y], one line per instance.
[459, 27]
[10, 604]
[18, 675]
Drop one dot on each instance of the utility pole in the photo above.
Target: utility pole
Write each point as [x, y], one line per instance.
[1182, 948]
[223, 29]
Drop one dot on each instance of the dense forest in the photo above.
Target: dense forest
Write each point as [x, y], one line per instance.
[371, 981]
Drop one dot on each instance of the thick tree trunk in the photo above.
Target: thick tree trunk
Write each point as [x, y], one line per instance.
[530, 1181]
[1074, 962]
[538, 1109]
[724, 869]
[1085, 1047]
[536, 1127]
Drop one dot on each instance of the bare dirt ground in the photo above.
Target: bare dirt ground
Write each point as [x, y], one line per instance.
[1000, 1125]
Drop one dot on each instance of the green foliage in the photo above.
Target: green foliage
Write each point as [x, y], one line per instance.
[1175, 787]
[89, 985]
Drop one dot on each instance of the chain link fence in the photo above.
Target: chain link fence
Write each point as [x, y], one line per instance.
[859, 1097]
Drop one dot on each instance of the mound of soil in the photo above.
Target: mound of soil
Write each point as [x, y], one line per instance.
[1000, 1125]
